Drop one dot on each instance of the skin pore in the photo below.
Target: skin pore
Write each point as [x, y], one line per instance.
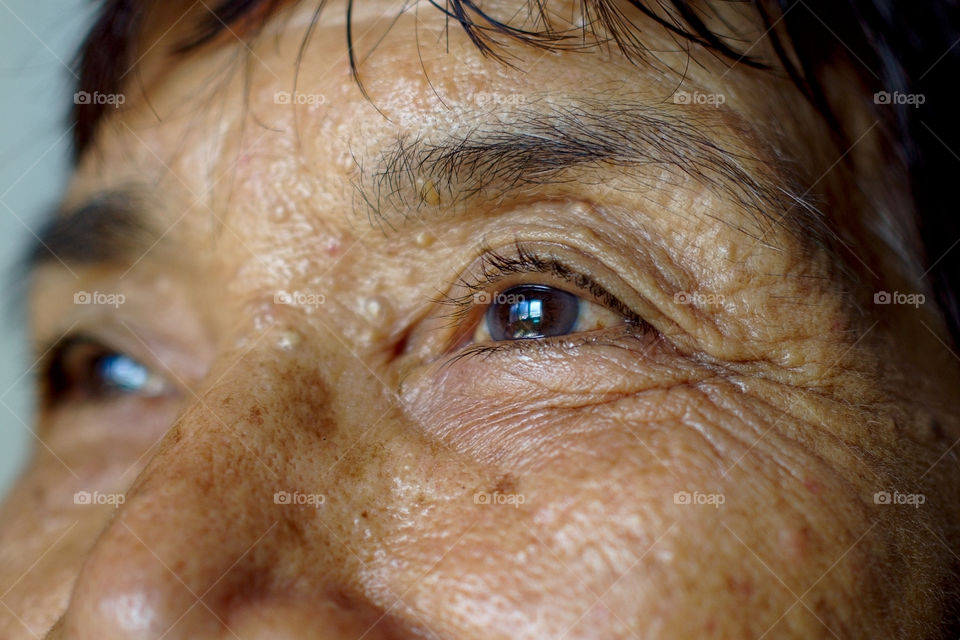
[308, 287]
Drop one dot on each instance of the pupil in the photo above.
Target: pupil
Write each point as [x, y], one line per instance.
[532, 311]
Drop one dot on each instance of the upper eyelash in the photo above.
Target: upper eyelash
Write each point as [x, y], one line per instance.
[496, 266]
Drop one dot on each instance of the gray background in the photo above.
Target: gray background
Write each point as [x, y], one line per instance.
[37, 42]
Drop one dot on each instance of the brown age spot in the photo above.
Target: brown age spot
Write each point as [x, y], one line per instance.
[505, 484]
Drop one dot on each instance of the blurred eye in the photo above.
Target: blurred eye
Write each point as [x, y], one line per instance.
[540, 311]
[84, 369]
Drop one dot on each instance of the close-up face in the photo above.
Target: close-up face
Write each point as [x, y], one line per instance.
[413, 320]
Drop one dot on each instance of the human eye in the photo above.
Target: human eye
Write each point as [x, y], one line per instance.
[530, 311]
[526, 296]
[82, 368]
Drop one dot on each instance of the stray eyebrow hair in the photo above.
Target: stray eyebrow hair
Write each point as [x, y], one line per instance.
[530, 147]
[109, 228]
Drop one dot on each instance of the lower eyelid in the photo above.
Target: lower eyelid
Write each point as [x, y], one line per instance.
[637, 337]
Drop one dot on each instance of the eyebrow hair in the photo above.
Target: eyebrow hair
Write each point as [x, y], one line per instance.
[109, 228]
[532, 147]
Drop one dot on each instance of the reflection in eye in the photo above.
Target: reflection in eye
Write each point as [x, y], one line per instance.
[540, 311]
[123, 372]
[531, 311]
[82, 368]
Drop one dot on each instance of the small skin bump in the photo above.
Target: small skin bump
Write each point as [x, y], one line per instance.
[288, 340]
[430, 194]
[425, 239]
[333, 246]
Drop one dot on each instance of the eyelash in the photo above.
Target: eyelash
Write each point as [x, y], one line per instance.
[495, 267]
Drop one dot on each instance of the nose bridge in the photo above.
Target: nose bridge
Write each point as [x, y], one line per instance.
[210, 518]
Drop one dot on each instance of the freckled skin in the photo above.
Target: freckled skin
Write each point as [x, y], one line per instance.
[525, 493]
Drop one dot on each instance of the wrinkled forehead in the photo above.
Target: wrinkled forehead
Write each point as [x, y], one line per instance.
[136, 43]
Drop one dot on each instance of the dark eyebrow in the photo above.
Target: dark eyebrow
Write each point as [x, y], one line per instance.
[109, 228]
[532, 146]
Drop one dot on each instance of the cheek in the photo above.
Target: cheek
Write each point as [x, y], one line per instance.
[670, 482]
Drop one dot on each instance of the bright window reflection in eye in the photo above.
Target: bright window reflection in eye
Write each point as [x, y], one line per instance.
[124, 373]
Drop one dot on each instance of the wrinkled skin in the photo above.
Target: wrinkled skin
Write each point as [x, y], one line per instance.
[795, 400]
